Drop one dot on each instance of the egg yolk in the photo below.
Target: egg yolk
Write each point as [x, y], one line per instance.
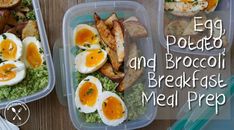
[94, 57]
[6, 72]
[85, 36]
[112, 108]
[88, 94]
[211, 4]
[8, 49]
[33, 55]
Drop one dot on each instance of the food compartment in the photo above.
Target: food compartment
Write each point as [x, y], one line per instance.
[179, 18]
[85, 14]
[27, 72]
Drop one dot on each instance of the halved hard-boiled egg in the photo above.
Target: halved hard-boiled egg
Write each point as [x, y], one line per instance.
[10, 47]
[11, 72]
[33, 52]
[186, 7]
[87, 94]
[111, 109]
[86, 37]
[212, 4]
[90, 60]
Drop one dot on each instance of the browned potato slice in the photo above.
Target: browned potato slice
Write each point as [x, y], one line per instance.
[130, 78]
[104, 32]
[4, 16]
[109, 72]
[109, 20]
[131, 75]
[20, 15]
[17, 30]
[119, 38]
[176, 27]
[12, 20]
[8, 3]
[30, 29]
[135, 29]
[22, 9]
[113, 58]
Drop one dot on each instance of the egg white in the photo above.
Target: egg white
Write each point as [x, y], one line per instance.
[80, 62]
[16, 40]
[179, 8]
[26, 42]
[20, 73]
[93, 30]
[105, 120]
[79, 105]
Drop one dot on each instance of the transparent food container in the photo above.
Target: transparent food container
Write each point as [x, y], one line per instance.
[47, 57]
[223, 11]
[83, 13]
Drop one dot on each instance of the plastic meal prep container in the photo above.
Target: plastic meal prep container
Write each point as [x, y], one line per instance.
[83, 13]
[224, 11]
[47, 57]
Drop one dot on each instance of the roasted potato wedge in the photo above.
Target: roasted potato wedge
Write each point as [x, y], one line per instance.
[12, 20]
[30, 29]
[119, 38]
[176, 27]
[131, 75]
[105, 32]
[8, 3]
[17, 30]
[109, 72]
[113, 58]
[22, 9]
[109, 20]
[130, 78]
[135, 29]
[4, 16]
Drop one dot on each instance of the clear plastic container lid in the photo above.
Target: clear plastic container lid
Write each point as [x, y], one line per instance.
[83, 13]
[223, 11]
[47, 57]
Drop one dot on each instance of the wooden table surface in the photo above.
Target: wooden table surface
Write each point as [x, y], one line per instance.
[47, 113]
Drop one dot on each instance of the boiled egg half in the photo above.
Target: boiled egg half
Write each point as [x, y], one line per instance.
[87, 94]
[12, 72]
[212, 4]
[111, 109]
[86, 37]
[90, 60]
[10, 47]
[32, 52]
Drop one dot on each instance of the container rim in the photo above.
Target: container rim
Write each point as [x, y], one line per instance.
[80, 6]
